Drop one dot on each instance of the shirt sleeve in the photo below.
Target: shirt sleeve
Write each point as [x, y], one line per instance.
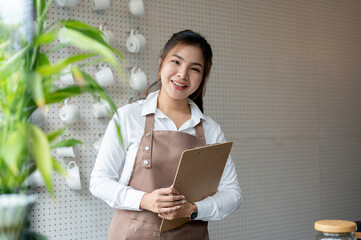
[108, 165]
[228, 196]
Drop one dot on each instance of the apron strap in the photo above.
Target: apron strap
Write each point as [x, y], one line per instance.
[149, 123]
[199, 130]
[147, 141]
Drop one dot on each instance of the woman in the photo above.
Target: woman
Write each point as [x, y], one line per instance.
[136, 178]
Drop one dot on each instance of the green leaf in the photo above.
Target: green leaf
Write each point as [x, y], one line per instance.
[49, 70]
[119, 133]
[40, 151]
[85, 29]
[12, 64]
[40, 7]
[82, 76]
[42, 60]
[37, 89]
[66, 143]
[53, 135]
[61, 94]
[13, 150]
[26, 174]
[4, 45]
[57, 47]
[45, 38]
[85, 42]
[41, 13]
[58, 167]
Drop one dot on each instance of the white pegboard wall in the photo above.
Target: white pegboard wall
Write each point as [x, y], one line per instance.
[284, 87]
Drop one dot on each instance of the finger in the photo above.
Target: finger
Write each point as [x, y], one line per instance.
[172, 198]
[167, 191]
[171, 204]
[169, 209]
[167, 217]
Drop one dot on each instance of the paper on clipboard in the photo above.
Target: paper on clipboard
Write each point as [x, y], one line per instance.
[198, 175]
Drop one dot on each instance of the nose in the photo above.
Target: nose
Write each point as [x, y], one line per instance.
[182, 73]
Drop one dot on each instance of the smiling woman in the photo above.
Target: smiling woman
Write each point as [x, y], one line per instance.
[155, 133]
[181, 73]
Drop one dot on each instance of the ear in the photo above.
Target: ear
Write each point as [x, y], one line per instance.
[159, 61]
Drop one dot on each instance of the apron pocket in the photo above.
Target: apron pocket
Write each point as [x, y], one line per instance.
[138, 230]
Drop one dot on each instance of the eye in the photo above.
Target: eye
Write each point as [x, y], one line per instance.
[196, 69]
[175, 61]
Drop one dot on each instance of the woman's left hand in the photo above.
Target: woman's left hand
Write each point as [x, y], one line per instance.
[182, 212]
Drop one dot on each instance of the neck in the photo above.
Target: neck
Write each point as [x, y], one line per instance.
[169, 105]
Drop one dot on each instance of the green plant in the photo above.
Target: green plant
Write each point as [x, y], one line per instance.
[27, 83]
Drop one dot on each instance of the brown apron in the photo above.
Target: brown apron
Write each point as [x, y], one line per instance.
[155, 166]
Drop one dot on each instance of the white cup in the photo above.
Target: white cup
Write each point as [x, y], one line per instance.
[99, 5]
[35, 179]
[73, 177]
[101, 109]
[62, 38]
[108, 35]
[67, 3]
[65, 152]
[105, 76]
[138, 80]
[69, 113]
[136, 7]
[135, 42]
[66, 76]
[37, 117]
[96, 145]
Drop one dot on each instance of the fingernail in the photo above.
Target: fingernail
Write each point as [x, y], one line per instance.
[179, 207]
[183, 197]
[184, 201]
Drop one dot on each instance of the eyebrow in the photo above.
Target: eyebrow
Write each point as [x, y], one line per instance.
[195, 63]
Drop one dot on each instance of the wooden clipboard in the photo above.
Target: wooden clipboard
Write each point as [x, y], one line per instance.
[198, 175]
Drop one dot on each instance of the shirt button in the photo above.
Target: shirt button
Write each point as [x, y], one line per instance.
[147, 134]
[135, 229]
[146, 162]
[147, 148]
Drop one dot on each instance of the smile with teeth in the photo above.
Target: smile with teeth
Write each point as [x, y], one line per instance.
[178, 84]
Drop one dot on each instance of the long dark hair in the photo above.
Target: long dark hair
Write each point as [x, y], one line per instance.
[188, 37]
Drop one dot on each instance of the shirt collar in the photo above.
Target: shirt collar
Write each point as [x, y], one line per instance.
[150, 103]
[150, 106]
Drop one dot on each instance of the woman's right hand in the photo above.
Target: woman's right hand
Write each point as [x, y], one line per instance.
[163, 200]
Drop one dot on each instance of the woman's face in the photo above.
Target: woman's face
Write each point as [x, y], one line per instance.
[182, 71]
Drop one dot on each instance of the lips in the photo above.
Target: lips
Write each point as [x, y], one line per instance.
[178, 84]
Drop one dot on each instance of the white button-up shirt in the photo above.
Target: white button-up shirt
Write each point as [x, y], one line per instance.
[113, 166]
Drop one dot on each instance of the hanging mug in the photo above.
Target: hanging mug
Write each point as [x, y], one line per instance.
[96, 145]
[37, 118]
[69, 113]
[35, 179]
[73, 176]
[65, 151]
[136, 7]
[66, 76]
[138, 80]
[99, 5]
[107, 35]
[101, 109]
[67, 3]
[104, 76]
[136, 42]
